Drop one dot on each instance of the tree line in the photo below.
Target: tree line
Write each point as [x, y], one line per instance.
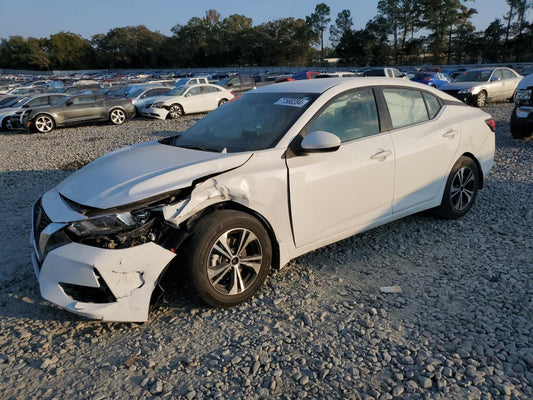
[404, 32]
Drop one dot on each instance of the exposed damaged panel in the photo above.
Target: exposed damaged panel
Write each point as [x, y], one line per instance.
[130, 274]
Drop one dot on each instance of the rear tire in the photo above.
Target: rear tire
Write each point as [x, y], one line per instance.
[228, 257]
[222, 101]
[461, 189]
[117, 116]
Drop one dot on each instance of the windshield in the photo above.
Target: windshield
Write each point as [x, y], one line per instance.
[474, 76]
[134, 92]
[224, 81]
[182, 81]
[177, 91]
[256, 121]
[7, 100]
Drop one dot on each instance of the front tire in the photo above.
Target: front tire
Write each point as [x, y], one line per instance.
[117, 116]
[175, 111]
[43, 123]
[228, 257]
[461, 189]
[480, 99]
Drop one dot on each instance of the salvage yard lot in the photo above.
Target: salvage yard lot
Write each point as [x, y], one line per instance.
[319, 328]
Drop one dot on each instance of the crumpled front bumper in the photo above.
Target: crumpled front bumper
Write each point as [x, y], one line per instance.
[69, 275]
[99, 283]
[151, 112]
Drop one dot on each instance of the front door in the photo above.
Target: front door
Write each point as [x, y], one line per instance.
[335, 193]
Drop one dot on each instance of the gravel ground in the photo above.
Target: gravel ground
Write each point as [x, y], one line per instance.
[319, 328]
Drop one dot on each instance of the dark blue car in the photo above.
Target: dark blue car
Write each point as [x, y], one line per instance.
[433, 79]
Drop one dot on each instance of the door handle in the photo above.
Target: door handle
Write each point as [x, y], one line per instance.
[450, 133]
[381, 155]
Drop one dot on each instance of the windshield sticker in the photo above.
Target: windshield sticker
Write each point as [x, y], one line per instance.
[292, 102]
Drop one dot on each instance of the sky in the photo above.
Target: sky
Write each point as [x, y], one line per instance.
[39, 18]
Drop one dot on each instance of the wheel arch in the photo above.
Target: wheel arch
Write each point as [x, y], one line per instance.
[478, 165]
[185, 227]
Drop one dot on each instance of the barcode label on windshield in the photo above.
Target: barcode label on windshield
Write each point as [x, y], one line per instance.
[292, 102]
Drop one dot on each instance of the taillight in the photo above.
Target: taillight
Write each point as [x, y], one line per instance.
[427, 79]
[231, 91]
[491, 124]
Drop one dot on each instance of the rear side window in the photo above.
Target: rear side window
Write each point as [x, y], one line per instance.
[39, 101]
[432, 104]
[406, 106]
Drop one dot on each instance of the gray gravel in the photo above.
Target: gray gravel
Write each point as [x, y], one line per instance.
[461, 328]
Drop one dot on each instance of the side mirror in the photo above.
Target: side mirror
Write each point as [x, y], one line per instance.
[69, 103]
[320, 141]
[494, 79]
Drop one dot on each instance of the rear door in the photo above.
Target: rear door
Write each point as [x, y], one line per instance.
[425, 145]
[82, 108]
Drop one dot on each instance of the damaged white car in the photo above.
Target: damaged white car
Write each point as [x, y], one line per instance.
[279, 172]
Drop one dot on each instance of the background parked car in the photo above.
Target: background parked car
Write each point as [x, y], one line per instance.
[187, 99]
[522, 115]
[26, 103]
[433, 79]
[79, 109]
[141, 95]
[480, 85]
[386, 72]
[240, 83]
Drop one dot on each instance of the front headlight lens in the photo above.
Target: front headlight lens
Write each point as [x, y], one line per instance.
[467, 90]
[522, 95]
[159, 104]
[110, 223]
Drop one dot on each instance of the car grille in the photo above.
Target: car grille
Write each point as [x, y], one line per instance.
[452, 92]
[40, 221]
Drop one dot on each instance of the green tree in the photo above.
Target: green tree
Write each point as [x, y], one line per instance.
[128, 47]
[343, 23]
[19, 53]
[318, 21]
[403, 17]
[69, 51]
[439, 18]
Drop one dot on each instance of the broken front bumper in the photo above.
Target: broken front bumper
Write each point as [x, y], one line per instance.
[99, 283]
[160, 113]
[111, 285]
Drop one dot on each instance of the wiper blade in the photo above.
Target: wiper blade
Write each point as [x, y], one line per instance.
[198, 147]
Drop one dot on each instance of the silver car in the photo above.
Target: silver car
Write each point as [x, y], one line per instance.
[480, 85]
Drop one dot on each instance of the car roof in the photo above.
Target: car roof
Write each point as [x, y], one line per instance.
[322, 85]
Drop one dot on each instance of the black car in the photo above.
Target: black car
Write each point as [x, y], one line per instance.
[522, 115]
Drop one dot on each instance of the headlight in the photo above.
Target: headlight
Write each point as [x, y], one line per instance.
[522, 95]
[467, 90]
[110, 223]
[159, 104]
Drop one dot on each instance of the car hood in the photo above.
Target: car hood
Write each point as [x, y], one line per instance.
[142, 171]
[527, 81]
[461, 85]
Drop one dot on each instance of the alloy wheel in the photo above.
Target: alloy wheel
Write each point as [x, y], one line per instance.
[234, 261]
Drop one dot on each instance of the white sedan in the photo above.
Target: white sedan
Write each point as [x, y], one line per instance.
[279, 172]
[187, 99]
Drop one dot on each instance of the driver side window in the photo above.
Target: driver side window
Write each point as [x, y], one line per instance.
[350, 116]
